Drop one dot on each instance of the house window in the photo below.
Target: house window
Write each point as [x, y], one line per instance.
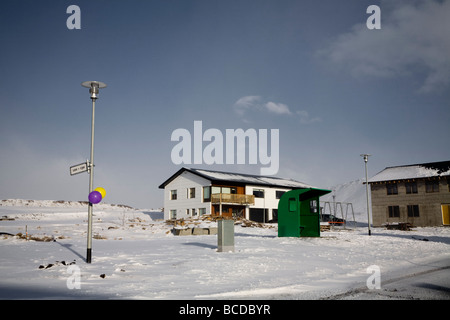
[187, 212]
[394, 211]
[391, 188]
[278, 194]
[413, 211]
[191, 193]
[202, 211]
[432, 186]
[173, 194]
[226, 190]
[313, 206]
[411, 187]
[194, 212]
[173, 214]
[206, 194]
[275, 214]
[258, 193]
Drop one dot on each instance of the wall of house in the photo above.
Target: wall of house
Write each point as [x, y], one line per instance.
[182, 183]
[269, 203]
[429, 204]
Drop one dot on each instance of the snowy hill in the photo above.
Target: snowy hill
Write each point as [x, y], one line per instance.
[353, 192]
[58, 204]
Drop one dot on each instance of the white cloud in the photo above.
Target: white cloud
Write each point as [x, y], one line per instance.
[252, 103]
[246, 103]
[413, 40]
[278, 108]
[305, 118]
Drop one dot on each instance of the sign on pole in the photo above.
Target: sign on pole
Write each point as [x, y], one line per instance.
[79, 168]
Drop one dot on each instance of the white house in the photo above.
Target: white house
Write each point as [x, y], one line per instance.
[194, 192]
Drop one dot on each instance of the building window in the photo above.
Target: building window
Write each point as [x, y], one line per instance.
[313, 206]
[173, 214]
[394, 211]
[258, 193]
[391, 188]
[173, 194]
[206, 194]
[225, 190]
[202, 211]
[187, 212]
[432, 186]
[191, 193]
[275, 215]
[411, 187]
[413, 211]
[278, 194]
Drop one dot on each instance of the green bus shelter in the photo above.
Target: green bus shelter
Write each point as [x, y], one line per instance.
[299, 213]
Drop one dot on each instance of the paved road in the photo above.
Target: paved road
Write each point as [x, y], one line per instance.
[433, 283]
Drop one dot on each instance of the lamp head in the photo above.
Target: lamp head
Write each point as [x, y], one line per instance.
[94, 87]
[365, 156]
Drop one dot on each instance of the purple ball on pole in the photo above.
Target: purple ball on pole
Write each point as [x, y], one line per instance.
[95, 197]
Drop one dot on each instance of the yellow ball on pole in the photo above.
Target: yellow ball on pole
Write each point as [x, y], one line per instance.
[102, 191]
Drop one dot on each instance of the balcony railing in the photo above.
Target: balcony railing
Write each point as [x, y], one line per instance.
[242, 199]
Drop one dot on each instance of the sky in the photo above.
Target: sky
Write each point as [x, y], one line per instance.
[313, 70]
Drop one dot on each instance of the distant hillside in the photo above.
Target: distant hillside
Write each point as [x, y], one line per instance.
[353, 192]
[58, 204]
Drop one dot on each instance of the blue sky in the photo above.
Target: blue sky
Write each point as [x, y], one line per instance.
[311, 69]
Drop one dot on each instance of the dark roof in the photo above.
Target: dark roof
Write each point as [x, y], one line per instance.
[413, 171]
[239, 178]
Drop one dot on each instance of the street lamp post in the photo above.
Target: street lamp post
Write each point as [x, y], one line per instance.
[94, 87]
[366, 158]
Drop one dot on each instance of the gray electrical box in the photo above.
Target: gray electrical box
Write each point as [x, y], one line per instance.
[225, 236]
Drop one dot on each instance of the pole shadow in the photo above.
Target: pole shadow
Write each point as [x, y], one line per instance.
[68, 247]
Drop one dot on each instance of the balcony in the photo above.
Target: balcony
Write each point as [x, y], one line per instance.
[228, 198]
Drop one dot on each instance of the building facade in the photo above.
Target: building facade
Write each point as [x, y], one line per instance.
[418, 194]
[196, 192]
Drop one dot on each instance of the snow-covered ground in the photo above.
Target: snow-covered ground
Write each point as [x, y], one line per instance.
[136, 256]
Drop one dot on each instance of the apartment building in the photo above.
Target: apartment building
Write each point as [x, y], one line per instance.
[418, 194]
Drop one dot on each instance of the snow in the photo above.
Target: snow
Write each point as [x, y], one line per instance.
[140, 258]
[409, 172]
[250, 179]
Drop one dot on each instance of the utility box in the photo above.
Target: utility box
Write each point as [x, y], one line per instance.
[225, 235]
[299, 213]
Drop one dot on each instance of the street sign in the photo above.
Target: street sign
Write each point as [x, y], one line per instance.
[79, 168]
